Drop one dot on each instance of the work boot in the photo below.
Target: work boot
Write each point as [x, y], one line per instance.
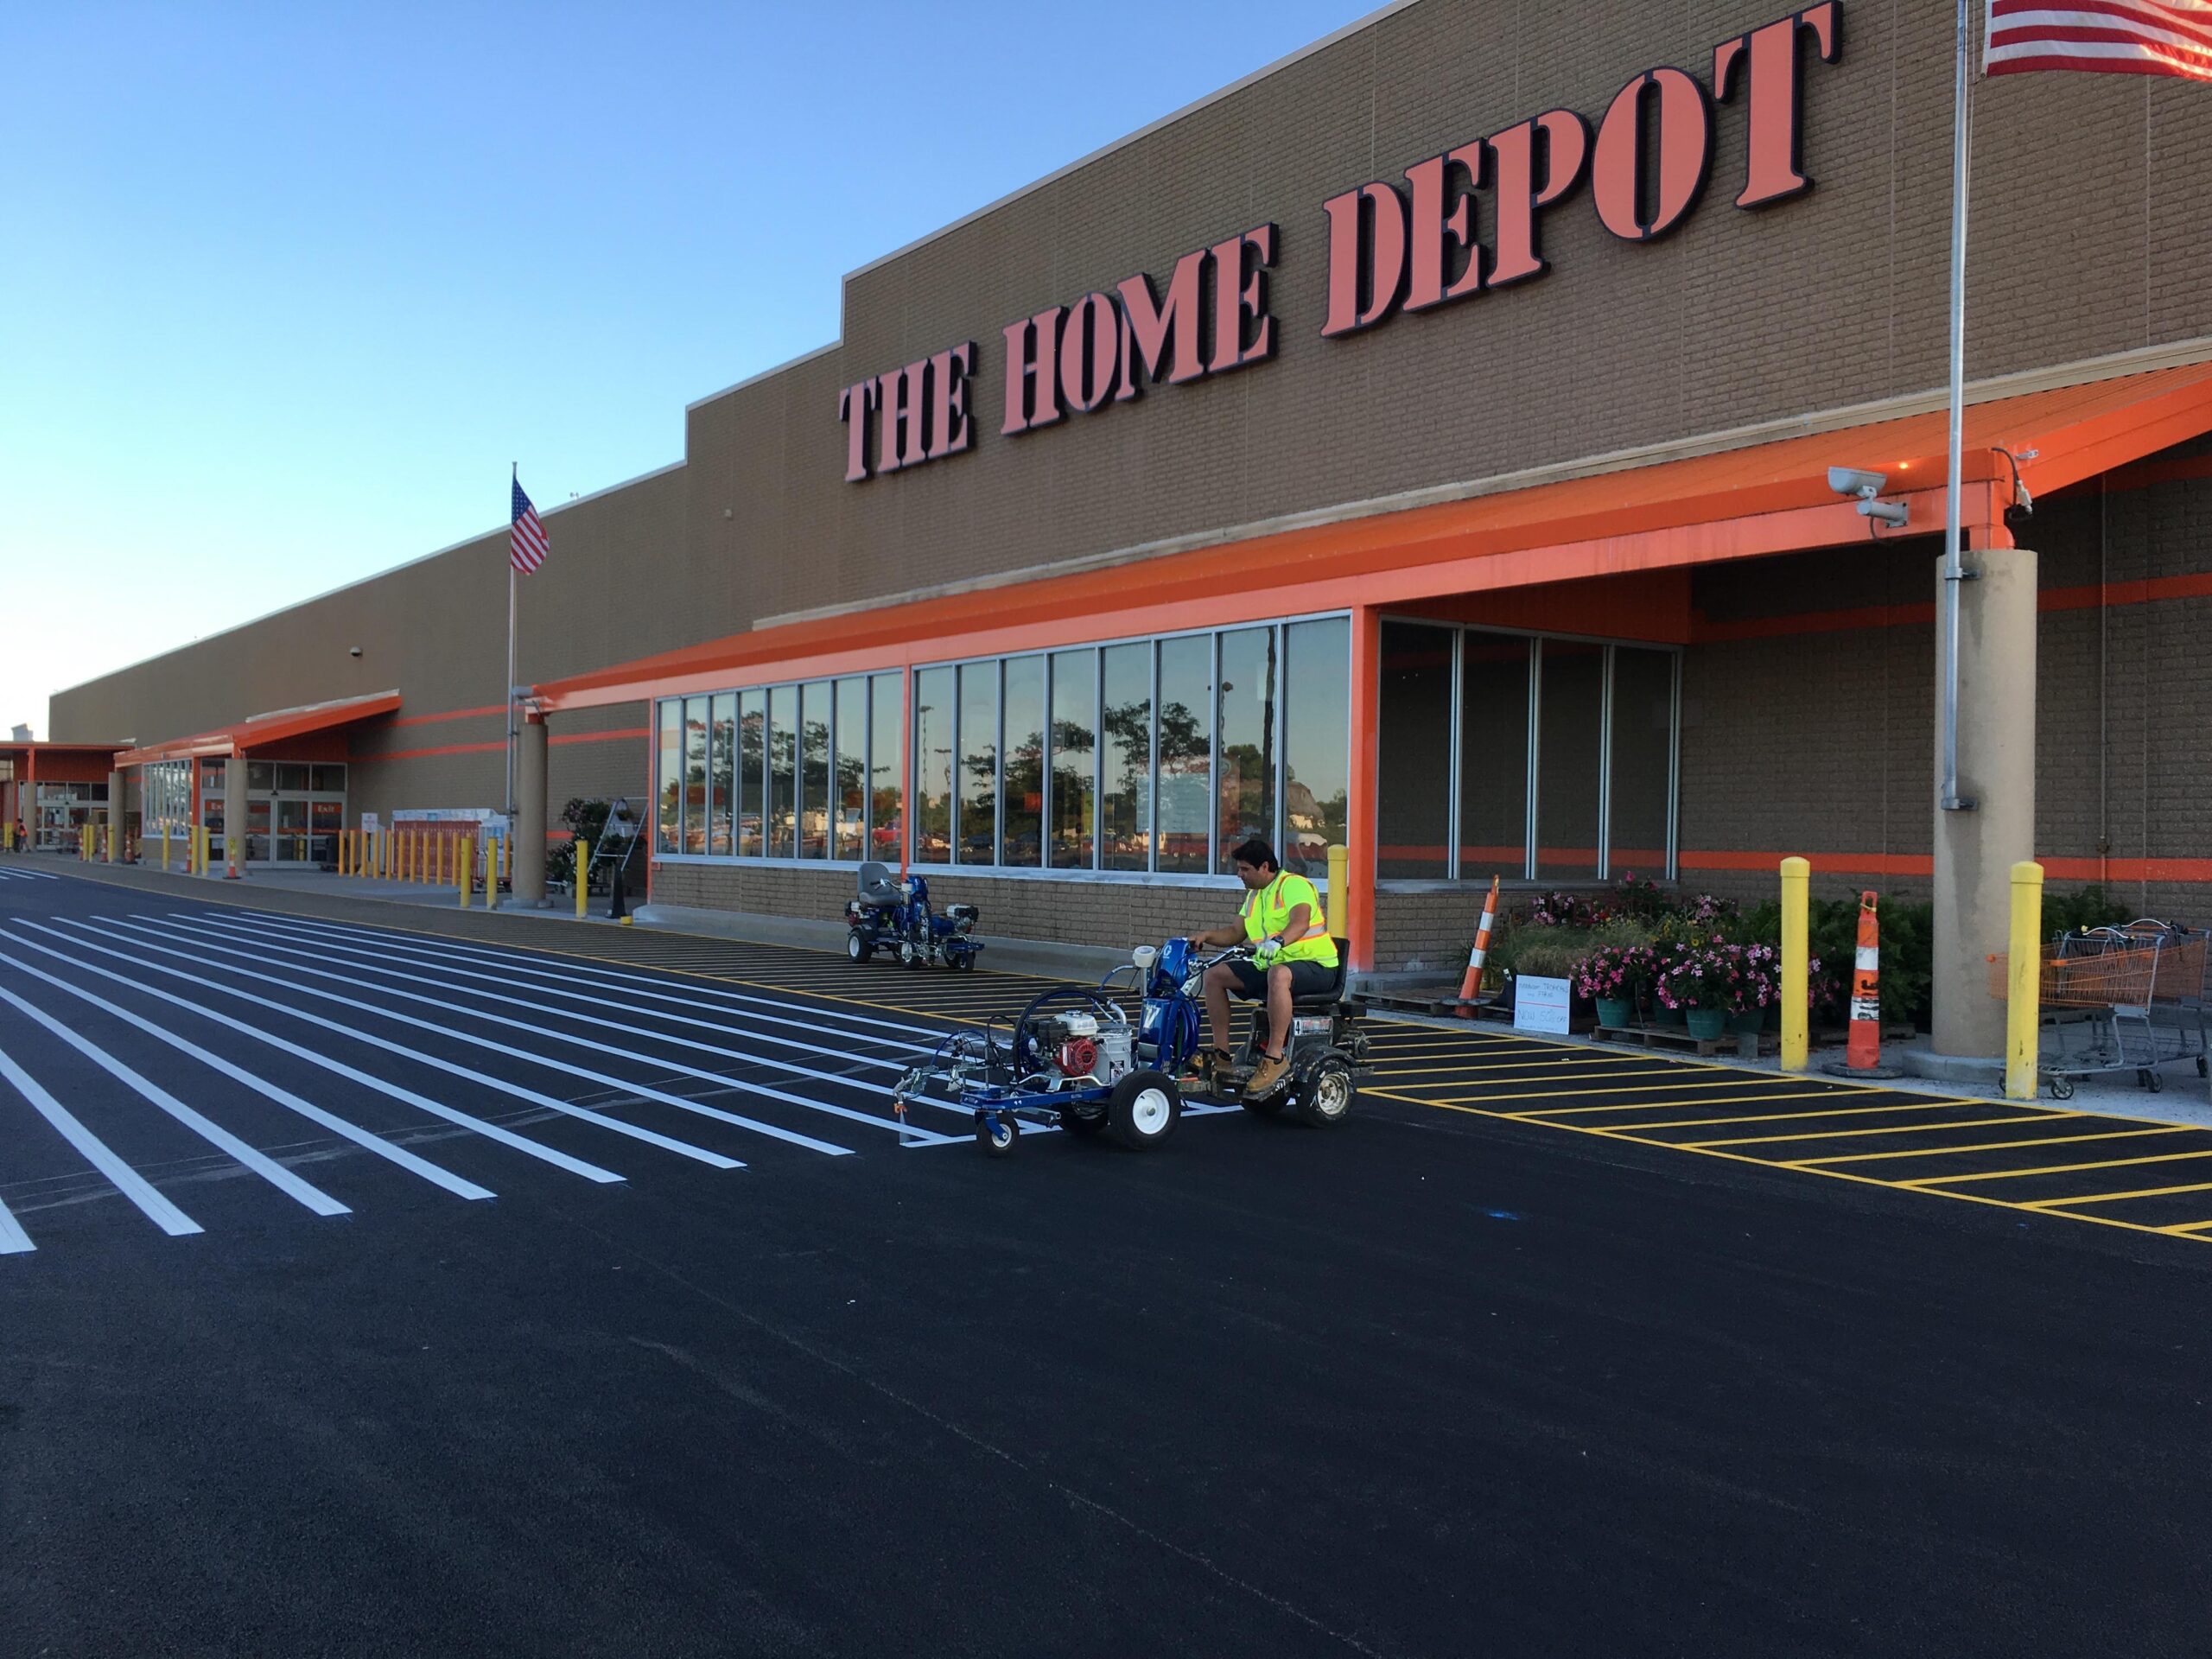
[1272, 1069]
[1206, 1067]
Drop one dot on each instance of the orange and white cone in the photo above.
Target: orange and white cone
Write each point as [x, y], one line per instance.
[1472, 982]
[1865, 1051]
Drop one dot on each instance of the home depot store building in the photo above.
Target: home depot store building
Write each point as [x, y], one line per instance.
[1421, 444]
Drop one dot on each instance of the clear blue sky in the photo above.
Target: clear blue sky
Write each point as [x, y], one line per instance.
[283, 288]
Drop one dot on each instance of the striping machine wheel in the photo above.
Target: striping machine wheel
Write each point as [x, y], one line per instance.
[1143, 1109]
[997, 1133]
[1325, 1095]
[858, 948]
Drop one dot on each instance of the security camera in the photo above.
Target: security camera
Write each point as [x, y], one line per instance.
[1849, 480]
[355, 651]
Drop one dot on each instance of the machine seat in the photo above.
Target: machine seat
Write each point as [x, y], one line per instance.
[879, 889]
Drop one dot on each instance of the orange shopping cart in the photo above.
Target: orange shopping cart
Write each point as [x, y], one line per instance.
[2119, 998]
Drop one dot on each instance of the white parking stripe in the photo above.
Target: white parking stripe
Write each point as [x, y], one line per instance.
[214, 1133]
[622, 1086]
[572, 1040]
[360, 1137]
[590, 973]
[14, 1241]
[386, 953]
[158, 1209]
[492, 1131]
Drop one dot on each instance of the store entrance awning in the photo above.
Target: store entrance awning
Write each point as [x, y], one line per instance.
[261, 732]
[1734, 502]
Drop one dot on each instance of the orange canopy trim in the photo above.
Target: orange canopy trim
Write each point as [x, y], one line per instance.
[259, 731]
[1741, 503]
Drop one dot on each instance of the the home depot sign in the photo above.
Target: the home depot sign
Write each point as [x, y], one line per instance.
[1393, 246]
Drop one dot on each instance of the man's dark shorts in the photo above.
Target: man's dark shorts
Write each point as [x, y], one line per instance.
[1306, 979]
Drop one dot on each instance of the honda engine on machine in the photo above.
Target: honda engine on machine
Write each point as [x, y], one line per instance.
[1078, 1048]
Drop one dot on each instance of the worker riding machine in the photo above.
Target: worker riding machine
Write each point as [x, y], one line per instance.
[1077, 1058]
[894, 915]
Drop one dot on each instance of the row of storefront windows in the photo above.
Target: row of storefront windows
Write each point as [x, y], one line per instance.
[1155, 755]
[293, 809]
[1500, 753]
[1557, 756]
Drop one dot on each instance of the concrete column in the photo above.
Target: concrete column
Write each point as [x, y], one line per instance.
[118, 816]
[234, 841]
[1976, 850]
[529, 826]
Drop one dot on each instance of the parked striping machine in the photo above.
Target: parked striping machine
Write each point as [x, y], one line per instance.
[893, 916]
[1075, 1058]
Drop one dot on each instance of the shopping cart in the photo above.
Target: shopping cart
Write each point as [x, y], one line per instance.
[2117, 998]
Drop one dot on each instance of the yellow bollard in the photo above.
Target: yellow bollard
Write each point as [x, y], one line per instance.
[583, 873]
[2024, 982]
[114, 839]
[1796, 989]
[467, 872]
[1339, 889]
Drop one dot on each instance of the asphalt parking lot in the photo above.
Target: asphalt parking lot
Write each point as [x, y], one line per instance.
[487, 1284]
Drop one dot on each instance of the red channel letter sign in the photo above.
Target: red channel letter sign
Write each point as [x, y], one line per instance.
[1391, 248]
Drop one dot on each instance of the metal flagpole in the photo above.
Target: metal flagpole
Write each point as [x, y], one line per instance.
[1955, 571]
[509, 698]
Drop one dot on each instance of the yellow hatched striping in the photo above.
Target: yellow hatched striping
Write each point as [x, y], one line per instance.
[1722, 1080]
[2056, 1169]
[1843, 1134]
[1794, 1117]
[1989, 1146]
[2105, 1198]
[1538, 1114]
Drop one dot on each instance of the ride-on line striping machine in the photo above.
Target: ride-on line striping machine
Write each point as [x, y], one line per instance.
[1074, 1059]
[893, 916]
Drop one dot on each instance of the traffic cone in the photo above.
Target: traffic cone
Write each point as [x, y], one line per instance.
[1864, 1053]
[1471, 980]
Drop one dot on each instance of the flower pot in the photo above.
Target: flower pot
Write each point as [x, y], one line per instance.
[1663, 1015]
[1707, 1024]
[1750, 1021]
[1614, 1011]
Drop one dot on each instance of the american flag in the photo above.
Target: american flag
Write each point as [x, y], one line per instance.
[2125, 37]
[525, 535]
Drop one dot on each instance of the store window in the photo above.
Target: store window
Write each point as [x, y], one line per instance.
[1245, 753]
[721, 769]
[1075, 758]
[1639, 779]
[1570, 745]
[817, 711]
[975, 831]
[1413, 792]
[695, 775]
[751, 780]
[783, 771]
[667, 829]
[1021, 810]
[886, 824]
[849, 770]
[933, 713]
[1125, 727]
[1185, 750]
[1317, 742]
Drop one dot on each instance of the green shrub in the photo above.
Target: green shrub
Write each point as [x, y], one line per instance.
[2089, 907]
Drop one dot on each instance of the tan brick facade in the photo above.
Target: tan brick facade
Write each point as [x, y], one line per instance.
[1793, 737]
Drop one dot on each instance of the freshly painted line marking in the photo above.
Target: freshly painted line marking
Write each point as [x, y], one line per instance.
[2054, 1169]
[719, 1078]
[2186, 1228]
[157, 1208]
[14, 1241]
[2110, 1198]
[506, 1137]
[1726, 1080]
[621, 1084]
[1780, 1118]
[1844, 1134]
[1538, 1113]
[375, 962]
[512, 962]
[285, 1097]
[304, 1192]
[1822, 1174]
[1992, 1146]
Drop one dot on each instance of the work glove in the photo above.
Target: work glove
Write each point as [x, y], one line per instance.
[1266, 951]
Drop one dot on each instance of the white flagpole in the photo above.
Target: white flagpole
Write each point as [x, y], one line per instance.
[1953, 565]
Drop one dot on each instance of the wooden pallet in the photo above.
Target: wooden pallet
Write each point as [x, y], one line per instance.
[1678, 1038]
[1435, 1002]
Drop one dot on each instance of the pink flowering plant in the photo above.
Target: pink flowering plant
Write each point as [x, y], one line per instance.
[1613, 972]
[1708, 975]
